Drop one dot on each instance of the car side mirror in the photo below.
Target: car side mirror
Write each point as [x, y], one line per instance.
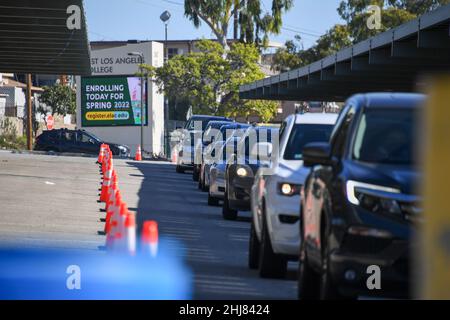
[317, 153]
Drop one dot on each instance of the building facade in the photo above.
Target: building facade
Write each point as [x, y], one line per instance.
[108, 103]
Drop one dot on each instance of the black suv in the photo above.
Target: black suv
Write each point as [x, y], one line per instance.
[240, 172]
[76, 141]
[359, 204]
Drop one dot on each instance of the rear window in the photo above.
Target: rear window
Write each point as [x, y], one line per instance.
[191, 123]
[386, 136]
[49, 135]
[301, 135]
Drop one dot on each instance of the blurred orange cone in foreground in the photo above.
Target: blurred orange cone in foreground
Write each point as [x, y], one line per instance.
[150, 237]
[130, 233]
[138, 156]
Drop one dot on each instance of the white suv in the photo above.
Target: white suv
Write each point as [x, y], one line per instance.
[275, 195]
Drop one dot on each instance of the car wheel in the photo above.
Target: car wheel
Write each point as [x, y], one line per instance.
[271, 265]
[308, 280]
[179, 169]
[214, 202]
[328, 291]
[195, 175]
[200, 184]
[52, 150]
[204, 187]
[227, 212]
[253, 249]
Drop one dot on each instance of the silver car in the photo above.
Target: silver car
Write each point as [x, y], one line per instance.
[217, 172]
[208, 160]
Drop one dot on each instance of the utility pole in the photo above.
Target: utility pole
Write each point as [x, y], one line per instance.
[143, 113]
[166, 104]
[29, 114]
[165, 17]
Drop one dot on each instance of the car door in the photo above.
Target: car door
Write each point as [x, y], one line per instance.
[68, 141]
[86, 144]
[317, 214]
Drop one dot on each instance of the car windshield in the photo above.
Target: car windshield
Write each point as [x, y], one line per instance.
[204, 121]
[212, 130]
[386, 136]
[215, 125]
[94, 137]
[301, 135]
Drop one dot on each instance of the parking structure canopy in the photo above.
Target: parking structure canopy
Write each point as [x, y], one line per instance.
[35, 37]
[390, 61]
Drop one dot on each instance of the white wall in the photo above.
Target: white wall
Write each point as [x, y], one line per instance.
[130, 136]
[2, 106]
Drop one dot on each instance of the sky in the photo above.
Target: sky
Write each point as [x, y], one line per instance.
[139, 20]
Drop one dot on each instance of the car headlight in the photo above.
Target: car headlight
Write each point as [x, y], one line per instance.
[289, 189]
[242, 172]
[378, 199]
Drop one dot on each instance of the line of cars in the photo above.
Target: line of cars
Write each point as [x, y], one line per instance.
[335, 192]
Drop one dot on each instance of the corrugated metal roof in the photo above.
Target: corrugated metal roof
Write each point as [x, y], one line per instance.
[391, 61]
[34, 38]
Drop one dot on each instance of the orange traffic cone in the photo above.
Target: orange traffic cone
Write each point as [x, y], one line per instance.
[138, 156]
[114, 206]
[130, 233]
[127, 240]
[101, 154]
[150, 237]
[174, 156]
[106, 182]
[117, 226]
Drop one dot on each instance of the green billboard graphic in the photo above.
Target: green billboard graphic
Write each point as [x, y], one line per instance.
[111, 101]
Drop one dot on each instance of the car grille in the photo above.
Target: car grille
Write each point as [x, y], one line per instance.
[364, 245]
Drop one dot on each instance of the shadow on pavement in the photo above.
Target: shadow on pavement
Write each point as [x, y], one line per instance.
[216, 250]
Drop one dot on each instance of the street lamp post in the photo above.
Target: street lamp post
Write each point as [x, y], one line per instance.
[141, 70]
[165, 17]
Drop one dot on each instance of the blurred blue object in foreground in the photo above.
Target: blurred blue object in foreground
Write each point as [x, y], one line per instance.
[50, 274]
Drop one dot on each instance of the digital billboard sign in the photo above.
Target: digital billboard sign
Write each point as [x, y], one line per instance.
[112, 101]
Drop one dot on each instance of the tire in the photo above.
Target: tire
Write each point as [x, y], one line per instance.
[195, 175]
[204, 188]
[253, 248]
[51, 149]
[227, 212]
[200, 184]
[179, 169]
[328, 291]
[214, 202]
[308, 280]
[271, 265]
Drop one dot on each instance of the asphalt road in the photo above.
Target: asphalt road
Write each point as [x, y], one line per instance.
[215, 250]
[51, 201]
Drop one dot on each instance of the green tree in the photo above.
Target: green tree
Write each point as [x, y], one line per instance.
[254, 24]
[210, 79]
[294, 56]
[287, 58]
[393, 13]
[58, 99]
[355, 14]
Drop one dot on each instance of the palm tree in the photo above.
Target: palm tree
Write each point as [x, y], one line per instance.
[248, 17]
